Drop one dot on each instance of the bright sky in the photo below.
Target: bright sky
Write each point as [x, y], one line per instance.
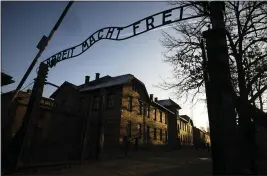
[24, 24]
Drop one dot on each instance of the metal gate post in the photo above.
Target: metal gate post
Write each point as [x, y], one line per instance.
[221, 106]
[101, 123]
[18, 152]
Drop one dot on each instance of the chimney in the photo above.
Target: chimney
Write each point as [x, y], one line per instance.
[97, 76]
[156, 99]
[87, 79]
[151, 97]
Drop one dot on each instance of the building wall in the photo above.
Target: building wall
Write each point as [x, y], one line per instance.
[136, 118]
[57, 137]
[68, 99]
[199, 138]
[207, 138]
[173, 139]
[110, 116]
[185, 132]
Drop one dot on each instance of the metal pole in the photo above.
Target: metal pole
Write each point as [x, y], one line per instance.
[46, 40]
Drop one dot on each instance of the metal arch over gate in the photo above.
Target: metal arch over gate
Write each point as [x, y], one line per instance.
[115, 33]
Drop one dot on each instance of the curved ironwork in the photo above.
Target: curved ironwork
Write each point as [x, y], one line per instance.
[98, 35]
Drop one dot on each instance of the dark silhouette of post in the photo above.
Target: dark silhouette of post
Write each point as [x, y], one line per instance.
[221, 107]
[101, 124]
[136, 143]
[19, 150]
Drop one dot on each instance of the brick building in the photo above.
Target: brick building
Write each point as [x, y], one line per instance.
[75, 117]
[201, 138]
[172, 123]
[185, 126]
[122, 106]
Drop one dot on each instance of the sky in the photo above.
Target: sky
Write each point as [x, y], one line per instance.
[24, 24]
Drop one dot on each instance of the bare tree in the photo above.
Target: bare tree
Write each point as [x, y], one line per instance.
[246, 25]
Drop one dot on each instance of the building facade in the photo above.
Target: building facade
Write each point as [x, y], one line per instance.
[117, 107]
[185, 126]
[172, 123]
[201, 138]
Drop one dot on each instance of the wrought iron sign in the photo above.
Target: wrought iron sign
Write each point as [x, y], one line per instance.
[47, 102]
[122, 33]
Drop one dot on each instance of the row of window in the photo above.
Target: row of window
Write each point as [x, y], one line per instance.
[143, 107]
[185, 139]
[139, 128]
[110, 101]
[184, 127]
[155, 134]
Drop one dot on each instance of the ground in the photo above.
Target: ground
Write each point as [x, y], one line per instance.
[143, 163]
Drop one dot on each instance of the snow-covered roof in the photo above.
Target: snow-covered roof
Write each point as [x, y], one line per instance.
[186, 118]
[168, 102]
[156, 103]
[165, 102]
[66, 83]
[112, 82]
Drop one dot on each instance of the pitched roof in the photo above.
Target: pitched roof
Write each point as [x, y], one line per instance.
[66, 83]
[187, 119]
[168, 102]
[95, 82]
[6, 79]
[118, 80]
[161, 106]
[106, 81]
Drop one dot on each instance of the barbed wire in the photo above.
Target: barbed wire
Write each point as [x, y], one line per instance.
[28, 85]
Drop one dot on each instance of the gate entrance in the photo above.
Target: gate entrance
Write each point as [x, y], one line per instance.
[221, 102]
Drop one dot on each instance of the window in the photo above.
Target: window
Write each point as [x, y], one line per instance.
[147, 111]
[129, 128]
[155, 133]
[140, 107]
[96, 102]
[134, 88]
[130, 104]
[160, 116]
[148, 132]
[180, 125]
[165, 119]
[111, 100]
[166, 135]
[155, 114]
[160, 134]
